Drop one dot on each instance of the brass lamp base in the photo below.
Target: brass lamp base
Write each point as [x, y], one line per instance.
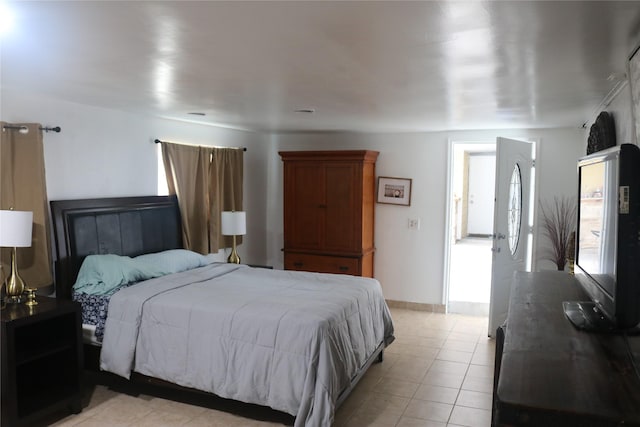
[31, 297]
[15, 284]
[234, 258]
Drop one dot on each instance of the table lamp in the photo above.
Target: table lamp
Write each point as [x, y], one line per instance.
[15, 232]
[234, 224]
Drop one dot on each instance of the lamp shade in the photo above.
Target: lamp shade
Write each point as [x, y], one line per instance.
[15, 229]
[234, 223]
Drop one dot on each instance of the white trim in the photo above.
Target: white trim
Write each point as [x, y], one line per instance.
[447, 230]
[534, 201]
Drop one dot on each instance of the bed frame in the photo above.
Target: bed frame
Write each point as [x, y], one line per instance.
[128, 226]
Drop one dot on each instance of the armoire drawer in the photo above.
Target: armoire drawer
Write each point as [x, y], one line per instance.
[322, 264]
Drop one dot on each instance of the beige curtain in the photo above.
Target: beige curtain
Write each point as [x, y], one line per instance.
[23, 187]
[206, 180]
[225, 190]
[187, 171]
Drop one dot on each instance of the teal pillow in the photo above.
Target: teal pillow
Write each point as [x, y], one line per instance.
[103, 274]
[171, 261]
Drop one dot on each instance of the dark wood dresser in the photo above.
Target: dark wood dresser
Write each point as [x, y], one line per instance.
[41, 360]
[329, 203]
[548, 373]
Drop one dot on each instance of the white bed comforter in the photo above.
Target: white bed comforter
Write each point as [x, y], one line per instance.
[288, 340]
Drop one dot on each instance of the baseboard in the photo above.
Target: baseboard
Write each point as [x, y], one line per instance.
[417, 306]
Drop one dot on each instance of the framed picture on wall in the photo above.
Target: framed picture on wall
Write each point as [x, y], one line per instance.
[394, 191]
[634, 80]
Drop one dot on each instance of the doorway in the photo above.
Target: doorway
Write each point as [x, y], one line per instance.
[471, 203]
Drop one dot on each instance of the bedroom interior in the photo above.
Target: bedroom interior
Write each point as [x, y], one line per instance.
[401, 79]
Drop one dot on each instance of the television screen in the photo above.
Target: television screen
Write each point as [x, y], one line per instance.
[597, 223]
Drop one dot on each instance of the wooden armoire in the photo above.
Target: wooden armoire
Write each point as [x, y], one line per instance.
[329, 203]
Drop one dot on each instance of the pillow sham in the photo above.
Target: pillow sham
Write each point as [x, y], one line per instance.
[103, 274]
[171, 261]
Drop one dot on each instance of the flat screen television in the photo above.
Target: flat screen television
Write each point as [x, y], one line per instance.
[607, 261]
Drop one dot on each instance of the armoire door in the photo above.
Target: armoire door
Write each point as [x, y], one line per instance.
[304, 205]
[342, 226]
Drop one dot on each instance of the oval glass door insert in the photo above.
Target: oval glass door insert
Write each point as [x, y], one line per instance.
[515, 209]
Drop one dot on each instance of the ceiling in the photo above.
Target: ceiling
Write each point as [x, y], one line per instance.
[361, 66]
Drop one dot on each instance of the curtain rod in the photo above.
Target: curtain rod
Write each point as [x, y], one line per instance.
[157, 141]
[24, 129]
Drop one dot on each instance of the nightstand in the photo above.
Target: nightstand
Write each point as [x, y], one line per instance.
[41, 359]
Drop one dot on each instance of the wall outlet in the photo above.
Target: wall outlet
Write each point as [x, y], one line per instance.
[414, 223]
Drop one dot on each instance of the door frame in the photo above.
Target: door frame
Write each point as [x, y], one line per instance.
[482, 145]
[448, 235]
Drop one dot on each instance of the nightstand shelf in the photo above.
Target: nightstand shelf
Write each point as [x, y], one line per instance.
[26, 358]
[41, 360]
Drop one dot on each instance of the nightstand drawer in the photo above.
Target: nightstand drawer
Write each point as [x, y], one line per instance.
[322, 264]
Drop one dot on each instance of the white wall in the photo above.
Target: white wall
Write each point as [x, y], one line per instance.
[107, 153]
[408, 263]
[620, 109]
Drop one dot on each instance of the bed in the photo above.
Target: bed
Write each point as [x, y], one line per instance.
[295, 342]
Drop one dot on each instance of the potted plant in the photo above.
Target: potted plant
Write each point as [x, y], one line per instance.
[558, 225]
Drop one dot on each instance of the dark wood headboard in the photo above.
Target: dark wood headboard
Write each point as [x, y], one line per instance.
[123, 226]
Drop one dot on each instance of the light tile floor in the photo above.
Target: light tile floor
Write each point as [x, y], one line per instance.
[438, 373]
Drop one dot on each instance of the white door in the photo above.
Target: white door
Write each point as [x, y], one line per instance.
[482, 172]
[514, 160]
